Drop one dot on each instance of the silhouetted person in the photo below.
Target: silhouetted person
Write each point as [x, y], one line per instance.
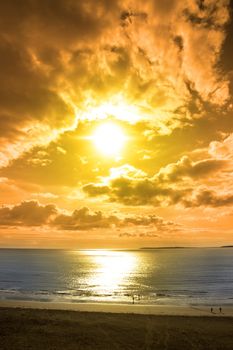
[211, 310]
[133, 298]
[220, 310]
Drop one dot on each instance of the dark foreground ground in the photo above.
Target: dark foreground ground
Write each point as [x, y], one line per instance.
[48, 329]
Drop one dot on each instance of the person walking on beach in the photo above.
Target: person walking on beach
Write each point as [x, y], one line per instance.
[211, 310]
[133, 299]
[220, 310]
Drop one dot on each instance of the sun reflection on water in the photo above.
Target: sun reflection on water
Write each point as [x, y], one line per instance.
[111, 270]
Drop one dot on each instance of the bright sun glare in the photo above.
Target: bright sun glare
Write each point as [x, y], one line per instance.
[109, 139]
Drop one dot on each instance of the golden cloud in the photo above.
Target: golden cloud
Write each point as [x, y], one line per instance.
[32, 213]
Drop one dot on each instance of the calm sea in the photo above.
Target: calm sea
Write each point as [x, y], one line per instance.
[163, 276]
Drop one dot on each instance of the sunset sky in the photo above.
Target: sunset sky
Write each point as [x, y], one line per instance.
[116, 123]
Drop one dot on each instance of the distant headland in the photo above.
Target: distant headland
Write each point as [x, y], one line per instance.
[153, 248]
[156, 248]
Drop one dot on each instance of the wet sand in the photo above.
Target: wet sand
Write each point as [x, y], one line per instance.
[168, 310]
[47, 329]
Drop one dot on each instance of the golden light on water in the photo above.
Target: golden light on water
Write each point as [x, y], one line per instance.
[111, 269]
[109, 139]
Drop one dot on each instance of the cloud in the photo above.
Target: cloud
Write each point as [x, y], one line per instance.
[83, 219]
[206, 197]
[58, 62]
[222, 149]
[185, 182]
[36, 39]
[136, 192]
[31, 213]
[30, 107]
[186, 168]
[149, 220]
[73, 156]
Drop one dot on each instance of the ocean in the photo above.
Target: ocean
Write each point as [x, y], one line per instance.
[192, 276]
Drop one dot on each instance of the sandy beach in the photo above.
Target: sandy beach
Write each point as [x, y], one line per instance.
[168, 310]
[27, 325]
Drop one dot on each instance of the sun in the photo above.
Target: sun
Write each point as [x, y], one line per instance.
[109, 139]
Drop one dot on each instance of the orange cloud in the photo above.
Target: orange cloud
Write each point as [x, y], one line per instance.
[162, 70]
[59, 61]
[185, 182]
[26, 214]
[31, 213]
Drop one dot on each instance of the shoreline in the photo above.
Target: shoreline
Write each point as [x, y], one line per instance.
[159, 310]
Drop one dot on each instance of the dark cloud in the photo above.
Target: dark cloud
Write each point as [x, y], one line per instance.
[134, 192]
[207, 16]
[174, 184]
[54, 57]
[63, 22]
[227, 50]
[29, 213]
[25, 93]
[141, 235]
[36, 37]
[146, 192]
[149, 220]
[210, 198]
[83, 219]
[127, 16]
[186, 168]
[61, 61]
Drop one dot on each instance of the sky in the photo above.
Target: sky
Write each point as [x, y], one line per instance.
[116, 123]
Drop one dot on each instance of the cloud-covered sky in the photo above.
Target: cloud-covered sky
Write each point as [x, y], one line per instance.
[157, 78]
